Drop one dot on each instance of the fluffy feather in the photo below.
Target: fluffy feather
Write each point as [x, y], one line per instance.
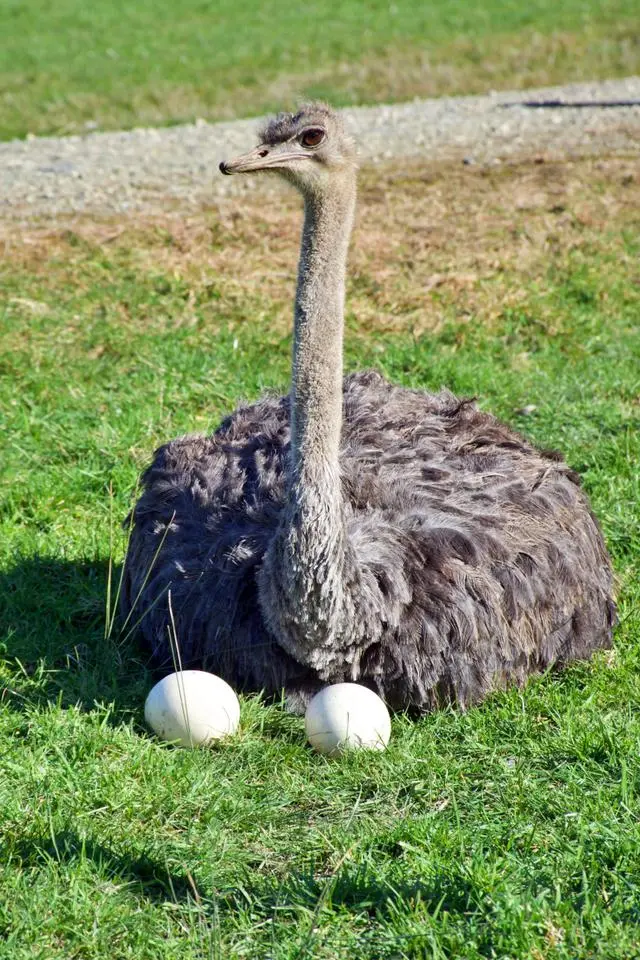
[473, 559]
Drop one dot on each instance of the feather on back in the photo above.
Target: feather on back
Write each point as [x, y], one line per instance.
[477, 556]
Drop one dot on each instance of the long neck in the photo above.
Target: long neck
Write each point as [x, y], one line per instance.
[308, 571]
[316, 389]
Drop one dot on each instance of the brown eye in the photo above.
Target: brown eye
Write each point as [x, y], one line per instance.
[311, 138]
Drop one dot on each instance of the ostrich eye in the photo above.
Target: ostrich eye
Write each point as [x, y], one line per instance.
[311, 138]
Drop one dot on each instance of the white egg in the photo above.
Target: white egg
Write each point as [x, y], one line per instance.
[347, 716]
[191, 708]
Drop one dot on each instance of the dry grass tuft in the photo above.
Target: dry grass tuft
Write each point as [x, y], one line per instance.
[427, 238]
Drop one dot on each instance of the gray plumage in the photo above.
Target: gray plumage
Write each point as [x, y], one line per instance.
[354, 530]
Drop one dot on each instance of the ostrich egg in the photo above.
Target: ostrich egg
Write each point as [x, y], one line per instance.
[192, 707]
[347, 716]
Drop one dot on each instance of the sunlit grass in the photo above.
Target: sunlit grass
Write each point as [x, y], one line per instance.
[508, 831]
[69, 67]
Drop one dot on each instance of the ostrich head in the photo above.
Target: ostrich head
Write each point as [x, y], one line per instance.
[309, 148]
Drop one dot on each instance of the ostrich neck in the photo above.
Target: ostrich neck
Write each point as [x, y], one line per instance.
[307, 573]
[316, 389]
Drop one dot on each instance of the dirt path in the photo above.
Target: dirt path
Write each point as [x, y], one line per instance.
[154, 170]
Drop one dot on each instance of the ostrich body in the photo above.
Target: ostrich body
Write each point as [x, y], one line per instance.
[356, 530]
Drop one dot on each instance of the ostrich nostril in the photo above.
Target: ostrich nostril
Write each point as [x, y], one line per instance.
[263, 153]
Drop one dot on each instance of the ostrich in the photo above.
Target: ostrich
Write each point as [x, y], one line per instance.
[355, 530]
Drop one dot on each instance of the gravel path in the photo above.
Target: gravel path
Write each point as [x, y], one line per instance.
[150, 170]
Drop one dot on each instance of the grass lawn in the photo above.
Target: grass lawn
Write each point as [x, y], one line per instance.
[71, 66]
[509, 831]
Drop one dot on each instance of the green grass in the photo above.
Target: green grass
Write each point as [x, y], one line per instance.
[111, 64]
[510, 831]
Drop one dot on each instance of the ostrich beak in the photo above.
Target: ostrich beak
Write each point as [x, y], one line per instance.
[263, 157]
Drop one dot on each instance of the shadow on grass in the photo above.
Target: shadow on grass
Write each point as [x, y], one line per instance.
[52, 614]
[299, 895]
[299, 898]
[144, 876]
